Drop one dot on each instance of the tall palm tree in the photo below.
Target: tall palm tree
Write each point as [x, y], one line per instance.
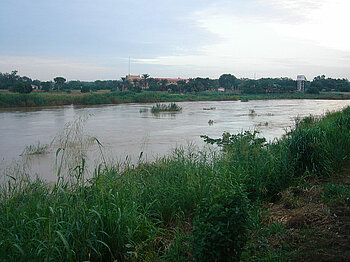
[145, 80]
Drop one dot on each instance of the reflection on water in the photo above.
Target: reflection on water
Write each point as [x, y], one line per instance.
[129, 129]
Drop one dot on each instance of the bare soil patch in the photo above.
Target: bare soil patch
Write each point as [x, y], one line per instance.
[315, 230]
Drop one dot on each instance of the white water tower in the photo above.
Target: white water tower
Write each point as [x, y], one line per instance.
[301, 83]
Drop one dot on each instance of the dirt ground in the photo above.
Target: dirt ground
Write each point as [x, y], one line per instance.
[315, 230]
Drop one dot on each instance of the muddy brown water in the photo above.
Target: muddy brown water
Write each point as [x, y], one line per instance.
[129, 129]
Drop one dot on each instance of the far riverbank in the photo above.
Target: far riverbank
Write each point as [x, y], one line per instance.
[10, 100]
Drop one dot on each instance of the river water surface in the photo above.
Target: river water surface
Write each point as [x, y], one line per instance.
[129, 129]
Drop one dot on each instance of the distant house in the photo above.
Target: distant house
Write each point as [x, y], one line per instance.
[221, 89]
[131, 78]
[35, 87]
[173, 81]
[301, 79]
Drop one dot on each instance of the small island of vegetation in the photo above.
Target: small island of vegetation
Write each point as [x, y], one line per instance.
[172, 107]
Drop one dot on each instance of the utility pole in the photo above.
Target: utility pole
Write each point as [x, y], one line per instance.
[129, 66]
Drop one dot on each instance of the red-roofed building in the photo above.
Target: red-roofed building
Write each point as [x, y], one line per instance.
[173, 81]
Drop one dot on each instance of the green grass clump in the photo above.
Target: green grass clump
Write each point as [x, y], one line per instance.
[172, 107]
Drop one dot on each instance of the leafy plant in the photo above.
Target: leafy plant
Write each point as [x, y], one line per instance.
[220, 226]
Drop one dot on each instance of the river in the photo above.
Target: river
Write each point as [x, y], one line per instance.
[129, 129]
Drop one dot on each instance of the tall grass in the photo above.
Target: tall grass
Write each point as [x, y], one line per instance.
[175, 208]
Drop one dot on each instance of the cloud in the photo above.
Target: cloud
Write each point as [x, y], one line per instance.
[325, 26]
[47, 69]
[92, 40]
[268, 42]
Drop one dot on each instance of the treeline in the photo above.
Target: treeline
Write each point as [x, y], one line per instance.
[16, 83]
[23, 84]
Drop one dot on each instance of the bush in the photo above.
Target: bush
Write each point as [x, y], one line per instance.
[312, 90]
[220, 226]
[21, 87]
[262, 167]
[85, 89]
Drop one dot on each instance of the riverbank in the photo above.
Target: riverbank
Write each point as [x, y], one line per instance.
[310, 222]
[191, 205]
[8, 100]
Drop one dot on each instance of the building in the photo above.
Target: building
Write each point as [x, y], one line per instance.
[301, 79]
[131, 78]
[221, 89]
[172, 81]
[135, 79]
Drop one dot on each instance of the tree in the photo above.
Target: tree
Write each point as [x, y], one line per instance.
[59, 81]
[85, 89]
[228, 81]
[21, 87]
[36, 82]
[145, 76]
[13, 77]
[153, 84]
[145, 80]
[46, 86]
[75, 84]
[126, 84]
[312, 90]
[164, 83]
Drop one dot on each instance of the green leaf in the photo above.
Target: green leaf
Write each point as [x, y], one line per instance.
[66, 245]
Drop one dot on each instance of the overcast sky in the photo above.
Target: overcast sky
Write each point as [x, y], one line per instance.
[93, 39]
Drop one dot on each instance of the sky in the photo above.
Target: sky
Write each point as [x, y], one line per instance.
[93, 39]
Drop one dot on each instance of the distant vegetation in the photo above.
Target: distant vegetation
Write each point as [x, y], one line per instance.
[191, 205]
[36, 99]
[283, 85]
[115, 97]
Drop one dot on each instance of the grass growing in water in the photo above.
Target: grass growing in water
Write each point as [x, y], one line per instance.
[172, 107]
[36, 149]
[158, 211]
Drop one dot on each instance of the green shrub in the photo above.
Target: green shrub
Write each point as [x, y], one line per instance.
[22, 87]
[85, 89]
[262, 167]
[220, 226]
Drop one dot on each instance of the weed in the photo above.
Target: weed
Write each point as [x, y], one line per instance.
[220, 226]
[336, 193]
[36, 149]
